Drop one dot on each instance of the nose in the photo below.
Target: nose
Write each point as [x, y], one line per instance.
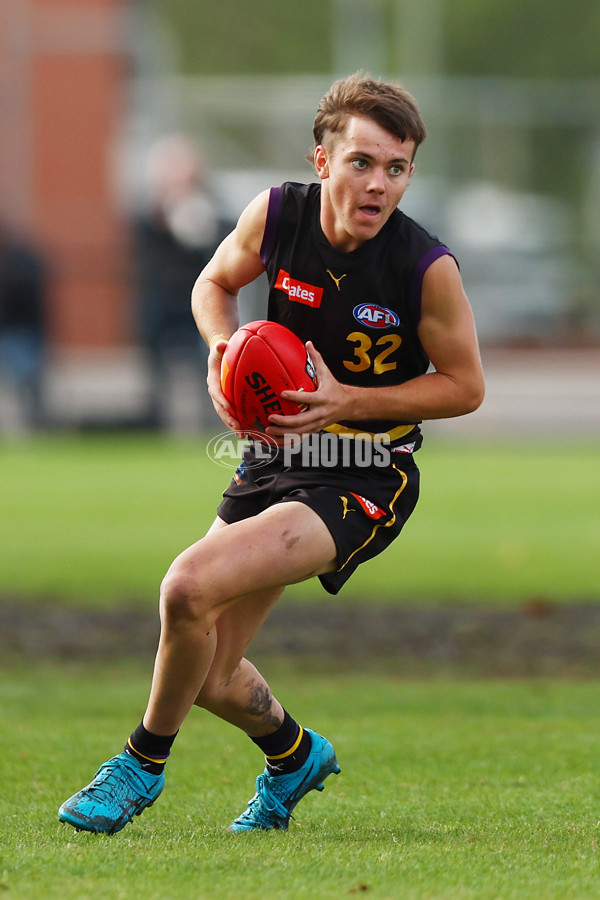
[376, 180]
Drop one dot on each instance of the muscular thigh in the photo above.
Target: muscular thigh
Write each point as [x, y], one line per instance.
[284, 544]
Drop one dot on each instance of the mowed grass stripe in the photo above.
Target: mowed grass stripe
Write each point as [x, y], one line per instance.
[448, 789]
[98, 520]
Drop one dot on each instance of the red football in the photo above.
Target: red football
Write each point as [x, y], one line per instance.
[261, 360]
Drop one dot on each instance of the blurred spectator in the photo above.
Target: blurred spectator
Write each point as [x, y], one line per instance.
[22, 289]
[175, 238]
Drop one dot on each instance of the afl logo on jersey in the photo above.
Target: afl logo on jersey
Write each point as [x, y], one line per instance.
[374, 316]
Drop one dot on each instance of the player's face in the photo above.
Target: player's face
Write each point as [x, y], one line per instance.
[364, 172]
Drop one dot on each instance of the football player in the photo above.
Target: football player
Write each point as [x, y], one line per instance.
[380, 304]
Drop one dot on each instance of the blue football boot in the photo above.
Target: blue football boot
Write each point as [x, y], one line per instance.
[120, 790]
[277, 795]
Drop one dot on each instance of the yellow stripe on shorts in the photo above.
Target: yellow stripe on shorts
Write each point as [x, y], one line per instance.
[376, 528]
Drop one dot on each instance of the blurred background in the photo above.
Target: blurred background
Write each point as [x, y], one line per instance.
[133, 132]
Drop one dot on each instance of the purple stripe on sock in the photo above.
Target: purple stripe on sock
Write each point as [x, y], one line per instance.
[283, 748]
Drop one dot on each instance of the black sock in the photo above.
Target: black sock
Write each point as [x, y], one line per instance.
[152, 750]
[285, 749]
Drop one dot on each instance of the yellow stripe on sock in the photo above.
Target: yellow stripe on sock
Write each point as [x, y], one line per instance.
[149, 758]
[292, 749]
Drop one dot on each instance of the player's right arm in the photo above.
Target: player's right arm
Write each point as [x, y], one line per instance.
[235, 263]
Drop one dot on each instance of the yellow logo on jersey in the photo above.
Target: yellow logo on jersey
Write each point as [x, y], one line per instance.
[336, 280]
[347, 509]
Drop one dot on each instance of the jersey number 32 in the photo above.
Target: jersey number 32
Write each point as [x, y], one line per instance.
[367, 356]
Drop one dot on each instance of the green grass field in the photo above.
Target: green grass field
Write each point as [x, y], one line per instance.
[455, 789]
[450, 788]
[98, 520]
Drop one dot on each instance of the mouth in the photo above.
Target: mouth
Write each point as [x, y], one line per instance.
[371, 211]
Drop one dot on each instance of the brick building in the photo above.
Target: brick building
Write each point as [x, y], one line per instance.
[63, 82]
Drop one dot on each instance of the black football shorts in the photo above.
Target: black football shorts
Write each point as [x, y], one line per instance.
[364, 507]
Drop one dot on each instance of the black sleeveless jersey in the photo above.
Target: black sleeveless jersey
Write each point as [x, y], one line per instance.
[361, 309]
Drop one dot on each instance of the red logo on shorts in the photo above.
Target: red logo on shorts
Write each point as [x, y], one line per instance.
[298, 290]
[371, 509]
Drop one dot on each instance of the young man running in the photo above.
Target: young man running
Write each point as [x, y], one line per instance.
[377, 299]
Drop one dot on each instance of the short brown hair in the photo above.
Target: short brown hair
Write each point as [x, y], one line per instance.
[387, 103]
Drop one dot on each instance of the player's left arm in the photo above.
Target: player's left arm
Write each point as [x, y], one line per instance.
[448, 336]
[456, 387]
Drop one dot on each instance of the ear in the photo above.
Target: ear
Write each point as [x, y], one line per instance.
[321, 160]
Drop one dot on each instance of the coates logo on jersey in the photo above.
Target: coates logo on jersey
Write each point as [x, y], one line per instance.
[374, 316]
[371, 509]
[298, 290]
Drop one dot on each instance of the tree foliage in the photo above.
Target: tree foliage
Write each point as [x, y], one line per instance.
[531, 38]
[535, 38]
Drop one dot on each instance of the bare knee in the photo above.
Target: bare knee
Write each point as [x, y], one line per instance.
[182, 600]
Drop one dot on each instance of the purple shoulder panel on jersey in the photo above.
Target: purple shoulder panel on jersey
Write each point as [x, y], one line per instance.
[271, 224]
[417, 280]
